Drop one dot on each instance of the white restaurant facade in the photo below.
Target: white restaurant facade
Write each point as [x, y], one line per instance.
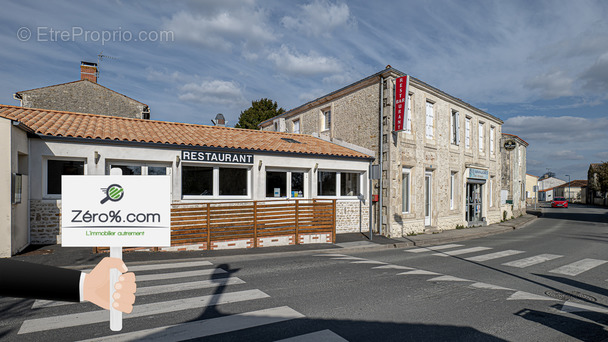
[206, 163]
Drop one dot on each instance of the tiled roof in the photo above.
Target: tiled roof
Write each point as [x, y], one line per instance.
[110, 128]
[516, 137]
[577, 183]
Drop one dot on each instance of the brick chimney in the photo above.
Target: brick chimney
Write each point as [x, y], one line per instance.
[88, 71]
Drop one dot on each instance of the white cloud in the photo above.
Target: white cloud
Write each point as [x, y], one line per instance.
[551, 85]
[596, 77]
[319, 18]
[558, 130]
[565, 155]
[215, 91]
[297, 64]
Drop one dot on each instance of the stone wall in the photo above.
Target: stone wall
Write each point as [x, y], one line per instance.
[347, 216]
[45, 222]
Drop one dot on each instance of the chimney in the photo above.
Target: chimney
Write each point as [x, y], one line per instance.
[88, 71]
[219, 121]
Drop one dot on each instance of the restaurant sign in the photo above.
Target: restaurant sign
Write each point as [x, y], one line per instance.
[478, 173]
[217, 157]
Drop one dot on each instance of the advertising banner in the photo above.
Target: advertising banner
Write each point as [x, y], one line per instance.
[401, 91]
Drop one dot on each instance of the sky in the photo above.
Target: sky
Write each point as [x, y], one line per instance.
[540, 66]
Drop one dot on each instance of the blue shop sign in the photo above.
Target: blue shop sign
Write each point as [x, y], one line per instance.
[478, 173]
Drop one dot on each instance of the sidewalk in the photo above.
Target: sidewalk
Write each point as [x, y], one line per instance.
[83, 256]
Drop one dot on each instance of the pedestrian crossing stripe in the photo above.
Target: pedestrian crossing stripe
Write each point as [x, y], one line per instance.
[185, 274]
[432, 248]
[521, 295]
[570, 306]
[208, 327]
[495, 255]
[323, 335]
[578, 267]
[527, 262]
[462, 251]
[448, 278]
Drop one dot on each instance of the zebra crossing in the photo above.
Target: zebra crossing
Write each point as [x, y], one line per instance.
[173, 278]
[570, 269]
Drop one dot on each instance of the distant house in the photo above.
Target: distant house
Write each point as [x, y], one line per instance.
[545, 188]
[531, 182]
[84, 96]
[571, 190]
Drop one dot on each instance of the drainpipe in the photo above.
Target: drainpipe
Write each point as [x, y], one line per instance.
[380, 154]
[371, 203]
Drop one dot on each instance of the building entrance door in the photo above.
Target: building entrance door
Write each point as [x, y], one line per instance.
[427, 199]
[474, 204]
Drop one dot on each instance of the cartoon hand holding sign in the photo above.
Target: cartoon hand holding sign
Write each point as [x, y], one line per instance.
[131, 211]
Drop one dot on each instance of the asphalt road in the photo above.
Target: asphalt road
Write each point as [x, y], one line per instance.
[545, 282]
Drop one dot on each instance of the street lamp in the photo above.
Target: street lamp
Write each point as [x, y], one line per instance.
[569, 185]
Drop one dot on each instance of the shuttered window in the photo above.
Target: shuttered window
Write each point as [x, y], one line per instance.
[429, 120]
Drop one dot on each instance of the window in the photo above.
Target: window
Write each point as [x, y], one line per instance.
[408, 113]
[455, 128]
[297, 184]
[327, 119]
[330, 182]
[214, 181]
[452, 189]
[349, 184]
[481, 137]
[276, 127]
[491, 139]
[137, 170]
[405, 190]
[284, 184]
[467, 133]
[58, 168]
[429, 120]
[128, 170]
[296, 126]
[326, 185]
[197, 181]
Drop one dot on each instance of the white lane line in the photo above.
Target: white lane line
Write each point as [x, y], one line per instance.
[323, 335]
[496, 255]
[526, 262]
[395, 267]
[91, 317]
[173, 275]
[489, 287]
[208, 327]
[418, 272]
[148, 290]
[577, 307]
[330, 255]
[369, 262]
[448, 278]
[462, 251]
[578, 267]
[432, 248]
[168, 266]
[348, 258]
[521, 295]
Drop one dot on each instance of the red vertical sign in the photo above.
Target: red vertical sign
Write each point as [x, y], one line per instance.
[401, 90]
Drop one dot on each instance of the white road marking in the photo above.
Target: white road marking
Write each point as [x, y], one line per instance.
[496, 255]
[148, 290]
[154, 267]
[395, 267]
[348, 258]
[369, 262]
[173, 275]
[90, 317]
[448, 278]
[577, 307]
[462, 251]
[578, 267]
[418, 272]
[330, 255]
[521, 295]
[432, 248]
[208, 327]
[323, 335]
[526, 262]
[489, 286]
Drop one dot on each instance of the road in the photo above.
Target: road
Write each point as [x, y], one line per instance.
[545, 282]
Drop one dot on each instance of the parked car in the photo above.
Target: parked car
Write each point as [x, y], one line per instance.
[559, 202]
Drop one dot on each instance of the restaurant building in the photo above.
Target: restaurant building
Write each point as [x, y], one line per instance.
[207, 164]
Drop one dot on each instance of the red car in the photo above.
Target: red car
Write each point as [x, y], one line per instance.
[559, 202]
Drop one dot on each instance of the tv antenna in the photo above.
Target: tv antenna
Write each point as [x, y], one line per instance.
[100, 57]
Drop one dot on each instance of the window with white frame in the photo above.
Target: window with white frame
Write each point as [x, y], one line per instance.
[326, 119]
[482, 137]
[408, 113]
[134, 169]
[56, 169]
[455, 128]
[452, 189]
[430, 120]
[467, 133]
[334, 183]
[405, 190]
[215, 181]
[296, 126]
[492, 130]
[284, 184]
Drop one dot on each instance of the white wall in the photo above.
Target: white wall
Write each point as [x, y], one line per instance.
[5, 187]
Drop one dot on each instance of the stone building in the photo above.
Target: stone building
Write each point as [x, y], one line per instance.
[83, 96]
[572, 191]
[531, 182]
[513, 174]
[441, 171]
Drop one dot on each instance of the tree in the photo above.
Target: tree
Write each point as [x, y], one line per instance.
[259, 111]
[602, 171]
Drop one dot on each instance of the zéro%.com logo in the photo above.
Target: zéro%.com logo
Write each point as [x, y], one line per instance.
[114, 193]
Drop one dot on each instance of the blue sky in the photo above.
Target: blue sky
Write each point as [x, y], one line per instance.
[541, 66]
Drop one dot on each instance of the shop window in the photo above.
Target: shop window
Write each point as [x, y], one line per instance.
[58, 168]
[276, 184]
[138, 169]
[405, 190]
[233, 182]
[326, 184]
[197, 181]
[349, 184]
[157, 171]
[297, 184]
[128, 170]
